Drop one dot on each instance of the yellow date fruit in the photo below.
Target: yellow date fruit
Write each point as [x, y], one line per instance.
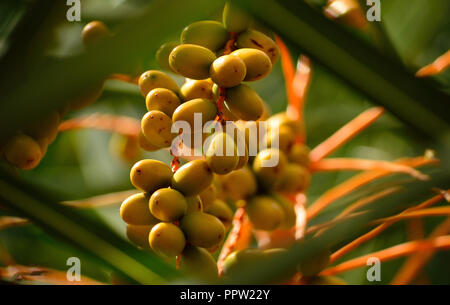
[198, 263]
[149, 175]
[156, 127]
[186, 112]
[193, 89]
[222, 211]
[168, 204]
[134, 210]
[221, 155]
[163, 100]
[268, 171]
[23, 152]
[239, 184]
[167, 239]
[228, 71]
[94, 32]
[162, 55]
[152, 79]
[234, 19]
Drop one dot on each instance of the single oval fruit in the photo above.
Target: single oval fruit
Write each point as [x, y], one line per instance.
[191, 61]
[202, 230]
[208, 34]
[269, 166]
[194, 204]
[228, 71]
[290, 216]
[134, 210]
[239, 184]
[282, 138]
[257, 40]
[138, 235]
[163, 100]
[193, 89]
[145, 144]
[222, 211]
[244, 102]
[198, 263]
[234, 19]
[150, 175]
[296, 178]
[281, 119]
[156, 127]
[186, 112]
[208, 196]
[23, 151]
[221, 155]
[299, 154]
[264, 213]
[167, 239]
[168, 204]
[94, 32]
[152, 79]
[162, 55]
[257, 63]
[192, 178]
[238, 259]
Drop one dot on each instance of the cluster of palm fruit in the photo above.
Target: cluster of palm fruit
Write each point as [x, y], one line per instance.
[260, 185]
[28, 146]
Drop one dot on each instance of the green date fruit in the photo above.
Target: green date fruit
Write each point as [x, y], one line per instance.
[244, 102]
[191, 61]
[194, 204]
[239, 184]
[312, 265]
[221, 155]
[192, 178]
[145, 144]
[234, 19]
[268, 174]
[198, 263]
[222, 211]
[209, 34]
[296, 178]
[257, 63]
[208, 196]
[202, 230]
[265, 213]
[162, 55]
[299, 154]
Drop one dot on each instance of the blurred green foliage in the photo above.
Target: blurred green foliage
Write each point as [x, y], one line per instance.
[79, 163]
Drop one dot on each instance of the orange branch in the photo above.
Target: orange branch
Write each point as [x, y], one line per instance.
[438, 66]
[439, 211]
[357, 181]
[288, 70]
[124, 125]
[442, 242]
[347, 132]
[414, 264]
[238, 239]
[378, 230]
[338, 164]
[125, 78]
